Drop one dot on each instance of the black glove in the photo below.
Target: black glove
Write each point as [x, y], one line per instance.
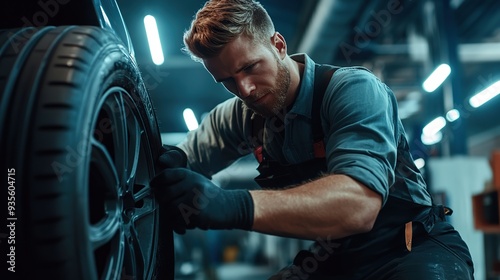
[195, 202]
[172, 156]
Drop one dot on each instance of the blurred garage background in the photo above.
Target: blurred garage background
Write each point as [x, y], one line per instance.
[452, 135]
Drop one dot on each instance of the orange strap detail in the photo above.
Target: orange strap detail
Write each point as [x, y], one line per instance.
[257, 152]
[319, 149]
[408, 235]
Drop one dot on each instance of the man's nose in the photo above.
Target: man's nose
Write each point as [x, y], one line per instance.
[245, 87]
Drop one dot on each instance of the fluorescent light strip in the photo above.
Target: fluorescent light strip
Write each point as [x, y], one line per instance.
[190, 119]
[485, 95]
[431, 139]
[153, 40]
[434, 126]
[453, 115]
[437, 78]
[419, 162]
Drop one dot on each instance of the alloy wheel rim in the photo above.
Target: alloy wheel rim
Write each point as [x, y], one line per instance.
[121, 208]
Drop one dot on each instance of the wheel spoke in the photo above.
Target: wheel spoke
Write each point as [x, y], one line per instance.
[114, 265]
[129, 270]
[101, 158]
[105, 229]
[143, 193]
[115, 104]
[147, 209]
[134, 148]
[137, 252]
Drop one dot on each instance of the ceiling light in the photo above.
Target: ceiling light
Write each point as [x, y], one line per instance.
[419, 162]
[453, 115]
[190, 119]
[485, 95]
[437, 78]
[153, 40]
[431, 139]
[434, 126]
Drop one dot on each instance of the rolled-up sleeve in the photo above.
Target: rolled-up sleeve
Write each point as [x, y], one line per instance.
[219, 140]
[359, 115]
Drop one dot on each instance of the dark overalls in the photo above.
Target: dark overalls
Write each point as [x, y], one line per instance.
[408, 240]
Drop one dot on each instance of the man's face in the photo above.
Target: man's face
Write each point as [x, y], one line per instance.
[254, 72]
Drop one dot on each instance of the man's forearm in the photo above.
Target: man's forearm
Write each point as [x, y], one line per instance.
[333, 206]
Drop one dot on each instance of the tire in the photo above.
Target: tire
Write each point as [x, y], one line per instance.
[79, 140]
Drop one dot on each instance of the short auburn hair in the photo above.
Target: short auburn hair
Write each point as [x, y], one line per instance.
[220, 22]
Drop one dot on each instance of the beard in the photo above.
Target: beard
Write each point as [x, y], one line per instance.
[277, 94]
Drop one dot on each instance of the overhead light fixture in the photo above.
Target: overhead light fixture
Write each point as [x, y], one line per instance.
[190, 119]
[431, 139]
[485, 95]
[436, 78]
[431, 133]
[154, 40]
[453, 115]
[434, 126]
[419, 163]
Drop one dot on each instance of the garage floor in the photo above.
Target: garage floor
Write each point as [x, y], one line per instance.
[233, 271]
[243, 272]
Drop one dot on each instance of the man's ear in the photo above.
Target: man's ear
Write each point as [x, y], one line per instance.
[279, 43]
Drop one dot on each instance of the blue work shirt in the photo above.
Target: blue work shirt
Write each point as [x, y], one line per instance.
[363, 135]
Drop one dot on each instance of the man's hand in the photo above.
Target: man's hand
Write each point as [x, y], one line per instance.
[172, 156]
[195, 202]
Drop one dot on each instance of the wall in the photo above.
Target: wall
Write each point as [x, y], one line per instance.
[460, 178]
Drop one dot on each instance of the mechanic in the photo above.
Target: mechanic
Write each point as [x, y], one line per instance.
[335, 165]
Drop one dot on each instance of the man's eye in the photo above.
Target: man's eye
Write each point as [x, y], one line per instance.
[250, 67]
[226, 81]
[229, 84]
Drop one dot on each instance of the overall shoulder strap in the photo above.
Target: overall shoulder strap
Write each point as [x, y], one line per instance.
[258, 122]
[322, 77]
